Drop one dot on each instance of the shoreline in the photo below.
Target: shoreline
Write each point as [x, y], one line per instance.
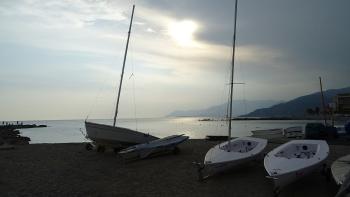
[67, 169]
[343, 119]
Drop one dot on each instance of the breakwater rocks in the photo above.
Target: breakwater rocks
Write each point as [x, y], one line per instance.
[19, 125]
[12, 136]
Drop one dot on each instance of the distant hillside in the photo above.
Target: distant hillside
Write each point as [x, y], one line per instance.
[297, 107]
[239, 108]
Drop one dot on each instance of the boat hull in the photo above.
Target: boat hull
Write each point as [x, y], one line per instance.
[282, 180]
[228, 155]
[268, 133]
[217, 168]
[293, 132]
[115, 136]
[294, 160]
[340, 169]
[158, 146]
[141, 154]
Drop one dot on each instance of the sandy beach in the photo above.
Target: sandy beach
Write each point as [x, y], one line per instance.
[70, 170]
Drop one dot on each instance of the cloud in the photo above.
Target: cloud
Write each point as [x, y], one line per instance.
[61, 25]
[281, 47]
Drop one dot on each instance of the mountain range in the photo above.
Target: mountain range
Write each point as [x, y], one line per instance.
[295, 108]
[240, 107]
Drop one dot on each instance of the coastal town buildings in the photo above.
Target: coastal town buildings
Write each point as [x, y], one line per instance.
[342, 103]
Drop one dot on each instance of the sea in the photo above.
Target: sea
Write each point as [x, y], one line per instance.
[68, 131]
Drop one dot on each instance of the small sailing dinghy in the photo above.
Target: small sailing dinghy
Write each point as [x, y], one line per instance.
[107, 135]
[164, 145]
[293, 132]
[344, 190]
[341, 174]
[115, 136]
[234, 151]
[295, 159]
[268, 133]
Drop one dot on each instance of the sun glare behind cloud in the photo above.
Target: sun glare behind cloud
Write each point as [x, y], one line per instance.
[182, 32]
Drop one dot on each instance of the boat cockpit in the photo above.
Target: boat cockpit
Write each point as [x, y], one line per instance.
[300, 151]
[241, 146]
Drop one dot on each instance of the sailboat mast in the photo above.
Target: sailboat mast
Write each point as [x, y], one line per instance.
[232, 72]
[122, 75]
[323, 103]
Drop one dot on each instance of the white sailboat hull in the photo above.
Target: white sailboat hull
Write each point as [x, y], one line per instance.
[268, 133]
[144, 150]
[236, 151]
[215, 168]
[341, 174]
[340, 169]
[107, 135]
[223, 157]
[283, 180]
[294, 160]
[293, 132]
[115, 136]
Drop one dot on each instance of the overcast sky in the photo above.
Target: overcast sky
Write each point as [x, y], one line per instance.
[62, 59]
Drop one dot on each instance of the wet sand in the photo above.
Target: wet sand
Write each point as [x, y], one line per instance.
[70, 170]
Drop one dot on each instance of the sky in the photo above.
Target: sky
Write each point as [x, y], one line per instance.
[62, 59]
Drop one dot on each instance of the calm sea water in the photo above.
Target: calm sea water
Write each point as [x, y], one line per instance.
[64, 131]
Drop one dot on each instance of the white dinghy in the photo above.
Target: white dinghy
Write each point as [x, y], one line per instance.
[340, 168]
[234, 151]
[293, 132]
[164, 145]
[107, 135]
[341, 174]
[294, 160]
[268, 133]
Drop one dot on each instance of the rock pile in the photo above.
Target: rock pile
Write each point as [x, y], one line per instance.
[12, 136]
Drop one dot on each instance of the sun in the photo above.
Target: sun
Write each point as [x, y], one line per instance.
[182, 32]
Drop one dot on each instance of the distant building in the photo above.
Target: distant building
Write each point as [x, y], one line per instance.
[342, 103]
